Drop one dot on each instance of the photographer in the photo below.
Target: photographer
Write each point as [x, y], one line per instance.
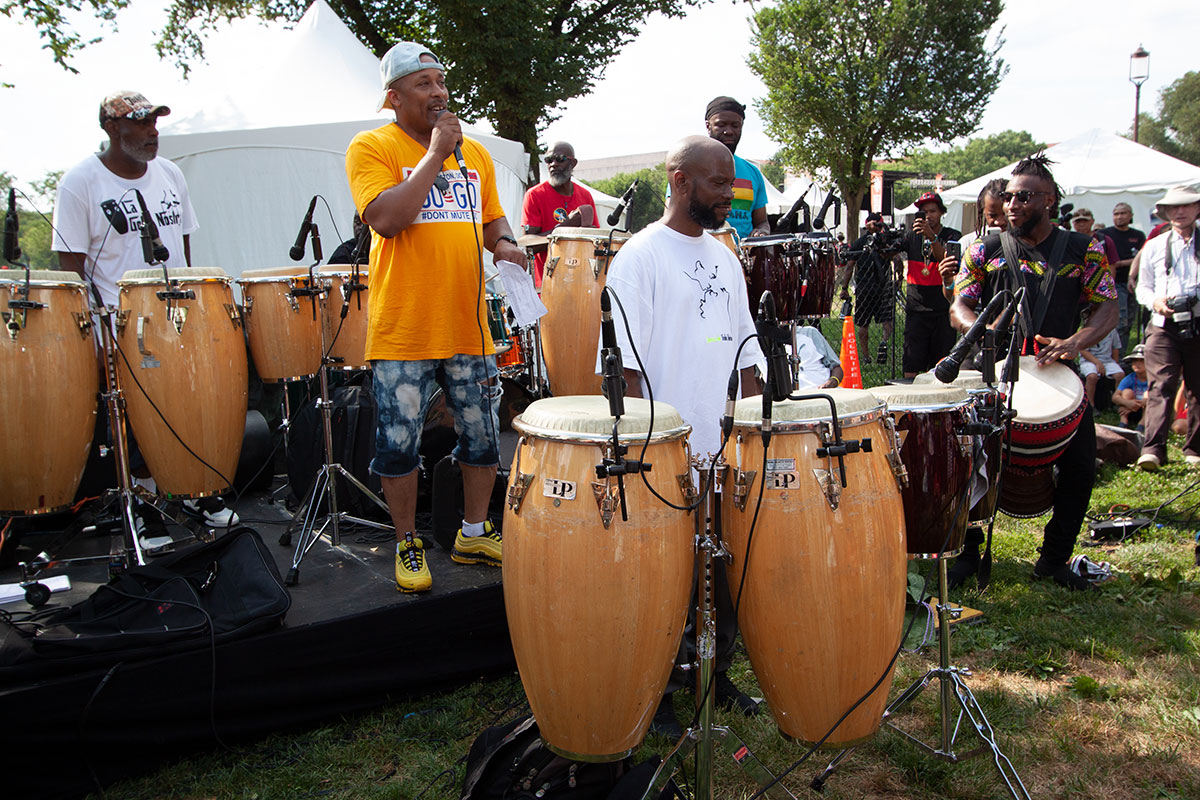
[928, 336]
[1168, 284]
[873, 282]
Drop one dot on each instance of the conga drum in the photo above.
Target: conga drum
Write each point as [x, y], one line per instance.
[819, 268]
[283, 323]
[773, 263]
[1049, 403]
[728, 237]
[823, 599]
[575, 274]
[183, 358]
[596, 605]
[985, 398]
[48, 369]
[938, 457]
[346, 337]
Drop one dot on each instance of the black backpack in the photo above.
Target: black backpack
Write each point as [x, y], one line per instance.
[511, 762]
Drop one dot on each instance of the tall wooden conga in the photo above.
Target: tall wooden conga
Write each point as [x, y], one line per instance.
[575, 274]
[48, 369]
[187, 359]
[283, 325]
[823, 602]
[596, 605]
[346, 336]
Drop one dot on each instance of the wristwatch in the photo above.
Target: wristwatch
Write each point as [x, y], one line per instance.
[504, 237]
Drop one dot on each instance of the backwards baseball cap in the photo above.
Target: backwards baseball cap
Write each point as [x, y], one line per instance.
[931, 197]
[404, 58]
[875, 216]
[129, 105]
[1179, 196]
[723, 103]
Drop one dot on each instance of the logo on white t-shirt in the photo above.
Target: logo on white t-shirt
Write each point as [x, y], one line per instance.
[711, 289]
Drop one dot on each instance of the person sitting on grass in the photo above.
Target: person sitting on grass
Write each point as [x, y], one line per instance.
[1130, 396]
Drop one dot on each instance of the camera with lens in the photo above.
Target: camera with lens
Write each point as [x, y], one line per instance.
[1183, 313]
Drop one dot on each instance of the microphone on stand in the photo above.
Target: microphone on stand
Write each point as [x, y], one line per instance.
[12, 227]
[297, 251]
[947, 369]
[153, 249]
[777, 363]
[613, 386]
[615, 216]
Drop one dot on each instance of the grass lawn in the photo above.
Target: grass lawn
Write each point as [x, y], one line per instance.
[1092, 696]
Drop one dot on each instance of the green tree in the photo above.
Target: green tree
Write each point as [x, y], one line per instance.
[35, 236]
[774, 171]
[649, 199]
[510, 61]
[49, 17]
[978, 156]
[854, 79]
[1176, 129]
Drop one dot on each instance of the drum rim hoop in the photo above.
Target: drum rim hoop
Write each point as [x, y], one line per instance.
[925, 409]
[36, 284]
[576, 437]
[585, 237]
[807, 425]
[125, 284]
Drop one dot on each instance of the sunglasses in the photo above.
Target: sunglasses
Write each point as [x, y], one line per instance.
[1024, 195]
[557, 159]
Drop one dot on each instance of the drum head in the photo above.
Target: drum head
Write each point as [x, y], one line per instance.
[275, 273]
[590, 234]
[969, 379]
[588, 416]
[848, 402]
[43, 276]
[921, 395]
[140, 276]
[768, 241]
[1045, 394]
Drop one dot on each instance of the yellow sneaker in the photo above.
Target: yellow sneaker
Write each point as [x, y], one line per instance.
[485, 549]
[412, 573]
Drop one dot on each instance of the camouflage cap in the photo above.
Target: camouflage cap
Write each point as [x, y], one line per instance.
[128, 105]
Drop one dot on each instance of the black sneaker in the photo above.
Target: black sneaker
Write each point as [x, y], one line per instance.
[1063, 575]
[665, 722]
[731, 698]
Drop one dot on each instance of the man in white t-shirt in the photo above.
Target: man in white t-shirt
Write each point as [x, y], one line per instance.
[684, 297]
[98, 219]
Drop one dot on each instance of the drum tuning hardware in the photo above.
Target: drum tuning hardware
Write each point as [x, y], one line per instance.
[14, 321]
[292, 301]
[141, 336]
[687, 488]
[235, 316]
[517, 489]
[742, 481]
[551, 263]
[248, 304]
[830, 487]
[84, 321]
[178, 317]
[607, 501]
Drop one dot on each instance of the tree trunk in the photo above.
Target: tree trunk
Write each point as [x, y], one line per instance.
[525, 132]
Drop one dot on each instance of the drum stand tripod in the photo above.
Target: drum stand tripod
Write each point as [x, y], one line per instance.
[324, 485]
[702, 738]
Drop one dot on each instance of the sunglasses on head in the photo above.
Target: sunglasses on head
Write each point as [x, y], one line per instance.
[557, 159]
[1024, 195]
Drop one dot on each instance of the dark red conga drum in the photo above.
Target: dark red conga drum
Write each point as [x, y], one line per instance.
[773, 263]
[818, 273]
[929, 421]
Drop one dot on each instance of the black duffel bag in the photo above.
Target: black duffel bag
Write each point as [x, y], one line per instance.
[221, 590]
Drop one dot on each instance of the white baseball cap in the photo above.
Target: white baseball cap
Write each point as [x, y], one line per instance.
[404, 58]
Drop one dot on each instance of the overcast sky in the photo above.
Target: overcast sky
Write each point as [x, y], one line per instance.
[1068, 62]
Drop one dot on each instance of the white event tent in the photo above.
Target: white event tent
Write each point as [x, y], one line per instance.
[1096, 170]
[271, 130]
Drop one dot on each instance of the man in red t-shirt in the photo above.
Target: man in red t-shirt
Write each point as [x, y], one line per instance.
[557, 201]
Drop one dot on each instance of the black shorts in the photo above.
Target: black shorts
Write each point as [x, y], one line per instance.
[873, 301]
[928, 338]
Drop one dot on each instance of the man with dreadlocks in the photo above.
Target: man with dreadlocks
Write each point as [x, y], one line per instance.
[1053, 334]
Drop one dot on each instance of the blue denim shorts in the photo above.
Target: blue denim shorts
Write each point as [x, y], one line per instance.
[403, 391]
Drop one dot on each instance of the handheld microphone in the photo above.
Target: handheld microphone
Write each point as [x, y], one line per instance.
[458, 156]
[947, 369]
[613, 386]
[297, 251]
[153, 248]
[615, 216]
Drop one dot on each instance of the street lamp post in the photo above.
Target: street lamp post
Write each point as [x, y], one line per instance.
[1139, 71]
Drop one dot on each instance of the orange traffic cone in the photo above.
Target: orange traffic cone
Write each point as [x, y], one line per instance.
[852, 377]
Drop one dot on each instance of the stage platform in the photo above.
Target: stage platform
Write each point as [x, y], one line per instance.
[350, 641]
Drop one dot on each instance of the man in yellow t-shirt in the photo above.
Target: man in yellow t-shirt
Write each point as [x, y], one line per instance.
[431, 214]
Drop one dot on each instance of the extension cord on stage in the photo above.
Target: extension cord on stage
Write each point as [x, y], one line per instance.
[1117, 528]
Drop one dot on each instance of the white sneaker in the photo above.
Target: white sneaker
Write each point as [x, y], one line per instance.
[1148, 462]
[1192, 461]
[213, 511]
